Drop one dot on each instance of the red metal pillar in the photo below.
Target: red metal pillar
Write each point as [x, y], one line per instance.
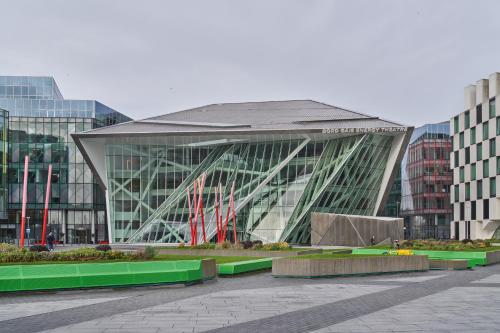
[25, 194]
[234, 213]
[216, 204]
[189, 206]
[195, 208]
[46, 210]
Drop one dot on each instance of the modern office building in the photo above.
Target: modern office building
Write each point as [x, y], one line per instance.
[286, 158]
[40, 124]
[476, 163]
[426, 179]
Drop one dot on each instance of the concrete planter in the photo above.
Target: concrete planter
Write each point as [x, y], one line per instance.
[493, 257]
[209, 269]
[448, 264]
[238, 253]
[311, 268]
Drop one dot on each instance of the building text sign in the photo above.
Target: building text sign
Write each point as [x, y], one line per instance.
[364, 130]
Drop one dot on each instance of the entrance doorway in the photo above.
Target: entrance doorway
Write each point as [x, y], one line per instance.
[82, 236]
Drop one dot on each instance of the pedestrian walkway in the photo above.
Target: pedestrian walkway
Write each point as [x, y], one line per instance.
[417, 302]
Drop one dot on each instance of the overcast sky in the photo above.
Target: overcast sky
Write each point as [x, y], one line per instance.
[407, 61]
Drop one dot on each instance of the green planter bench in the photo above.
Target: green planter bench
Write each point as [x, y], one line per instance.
[473, 258]
[239, 267]
[88, 275]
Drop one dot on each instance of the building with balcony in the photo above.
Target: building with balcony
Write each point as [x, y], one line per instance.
[426, 180]
[287, 159]
[476, 163]
[40, 124]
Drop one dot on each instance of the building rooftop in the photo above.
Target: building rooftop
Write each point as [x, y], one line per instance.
[250, 116]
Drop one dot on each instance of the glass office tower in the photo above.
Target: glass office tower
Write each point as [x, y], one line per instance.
[40, 125]
[287, 159]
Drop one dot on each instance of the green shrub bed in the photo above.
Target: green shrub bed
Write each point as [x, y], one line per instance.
[444, 245]
[12, 254]
[244, 245]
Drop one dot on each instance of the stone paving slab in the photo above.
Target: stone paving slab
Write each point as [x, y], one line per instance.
[412, 278]
[210, 311]
[260, 303]
[18, 310]
[495, 278]
[456, 309]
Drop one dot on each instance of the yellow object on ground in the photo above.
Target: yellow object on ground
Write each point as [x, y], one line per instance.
[400, 252]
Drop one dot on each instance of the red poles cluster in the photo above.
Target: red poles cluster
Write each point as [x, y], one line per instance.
[195, 206]
[198, 186]
[46, 209]
[25, 199]
[222, 226]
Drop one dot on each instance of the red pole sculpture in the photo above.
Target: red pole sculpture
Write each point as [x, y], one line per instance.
[203, 223]
[221, 206]
[216, 204]
[46, 210]
[190, 219]
[195, 208]
[234, 213]
[25, 194]
[199, 201]
[201, 187]
[229, 205]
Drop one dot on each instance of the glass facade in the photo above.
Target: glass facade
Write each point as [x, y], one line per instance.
[426, 181]
[279, 181]
[394, 201]
[40, 126]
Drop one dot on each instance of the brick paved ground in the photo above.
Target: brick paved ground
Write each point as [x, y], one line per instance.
[459, 301]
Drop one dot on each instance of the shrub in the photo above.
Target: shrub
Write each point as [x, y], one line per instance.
[4, 248]
[276, 246]
[446, 245]
[257, 244]
[224, 245]
[247, 244]
[81, 254]
[203, 246]
[38, 248]
[103, 247]
[149, 252]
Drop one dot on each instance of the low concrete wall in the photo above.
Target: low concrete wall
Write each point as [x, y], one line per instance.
[209, 269]
[447, 264]
[347, 266]
[238, 253]
[493, 257]
[353, 230]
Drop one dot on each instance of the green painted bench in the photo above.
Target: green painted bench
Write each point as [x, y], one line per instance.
[87, 275]
[239, 267]
[473, 258]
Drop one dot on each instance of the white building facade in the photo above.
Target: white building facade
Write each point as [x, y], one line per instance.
[475, 162]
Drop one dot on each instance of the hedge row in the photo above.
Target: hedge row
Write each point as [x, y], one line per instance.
[13, 255]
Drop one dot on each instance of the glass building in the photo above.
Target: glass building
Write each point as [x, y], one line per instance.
[287, 159]
[426, 180]
[393, 205]
[40, 125]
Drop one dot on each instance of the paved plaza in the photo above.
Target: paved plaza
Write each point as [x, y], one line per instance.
[436, 301]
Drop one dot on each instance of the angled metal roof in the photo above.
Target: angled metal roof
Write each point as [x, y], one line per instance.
[289, 115]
